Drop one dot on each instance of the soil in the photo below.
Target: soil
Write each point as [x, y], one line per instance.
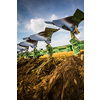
[59, 79]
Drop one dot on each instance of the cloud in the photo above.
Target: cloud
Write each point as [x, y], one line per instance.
[53, 17]
[36, 25]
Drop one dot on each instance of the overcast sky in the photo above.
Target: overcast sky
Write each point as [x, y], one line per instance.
[31, 15]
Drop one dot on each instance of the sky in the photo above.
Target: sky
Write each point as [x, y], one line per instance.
[31, 15]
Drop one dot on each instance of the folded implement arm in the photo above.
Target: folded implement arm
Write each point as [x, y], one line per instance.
[42, 36]
[71, 24]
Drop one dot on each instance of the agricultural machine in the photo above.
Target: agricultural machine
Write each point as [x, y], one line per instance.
[43, 36]
[71, 24]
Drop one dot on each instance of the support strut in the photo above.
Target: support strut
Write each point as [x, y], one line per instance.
[75, 44]
[49, 50]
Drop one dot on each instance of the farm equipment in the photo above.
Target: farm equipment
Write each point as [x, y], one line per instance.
[32, 44]
[71, 23]
[43, 36]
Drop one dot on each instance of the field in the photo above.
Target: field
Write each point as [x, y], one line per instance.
[59, 79]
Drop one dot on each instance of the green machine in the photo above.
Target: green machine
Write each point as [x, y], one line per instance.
[71, 24]
[30, 44]
[43, 36]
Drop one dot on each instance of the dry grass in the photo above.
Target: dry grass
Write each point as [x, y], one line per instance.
[61, 54]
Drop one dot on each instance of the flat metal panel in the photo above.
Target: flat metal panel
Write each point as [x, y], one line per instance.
[28, 43]
[44, 35]
[37, 37]
[48, 22]
[63, 24]
[20, 47]
[26, 38]
[79, 14]
[70, 22]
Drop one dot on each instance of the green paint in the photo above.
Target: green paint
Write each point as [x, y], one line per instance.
[76, 47]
